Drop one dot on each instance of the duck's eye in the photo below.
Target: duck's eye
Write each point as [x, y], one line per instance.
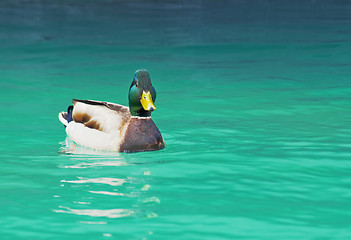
[136, 84]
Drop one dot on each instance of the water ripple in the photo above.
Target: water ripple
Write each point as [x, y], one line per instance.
[103, 180]
[108, 193]
[109, 213]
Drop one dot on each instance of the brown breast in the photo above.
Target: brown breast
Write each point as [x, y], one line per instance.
[142, 135]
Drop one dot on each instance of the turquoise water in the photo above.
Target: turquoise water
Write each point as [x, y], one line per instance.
[253, 102]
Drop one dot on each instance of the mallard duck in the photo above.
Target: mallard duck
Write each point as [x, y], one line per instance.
[113, 127]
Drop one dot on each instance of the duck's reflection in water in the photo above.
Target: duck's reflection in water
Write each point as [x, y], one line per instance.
[106, 186]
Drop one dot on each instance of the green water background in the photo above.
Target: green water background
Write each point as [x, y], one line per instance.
[253, 100]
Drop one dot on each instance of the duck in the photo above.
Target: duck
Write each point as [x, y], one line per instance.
[114, 127]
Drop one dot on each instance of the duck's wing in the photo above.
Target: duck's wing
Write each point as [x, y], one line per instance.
[103, 116]
[113, 106]
[99, 125]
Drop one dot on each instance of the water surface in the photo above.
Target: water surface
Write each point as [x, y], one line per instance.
[253, 100]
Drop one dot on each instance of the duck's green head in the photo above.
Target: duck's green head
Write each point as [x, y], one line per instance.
[142, 95]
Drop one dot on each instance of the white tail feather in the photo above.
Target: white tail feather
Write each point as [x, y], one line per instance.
[62, 119]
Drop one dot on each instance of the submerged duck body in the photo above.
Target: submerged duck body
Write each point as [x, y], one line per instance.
[113, 127]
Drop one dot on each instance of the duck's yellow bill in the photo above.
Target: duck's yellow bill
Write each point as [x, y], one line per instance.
[146, 101]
